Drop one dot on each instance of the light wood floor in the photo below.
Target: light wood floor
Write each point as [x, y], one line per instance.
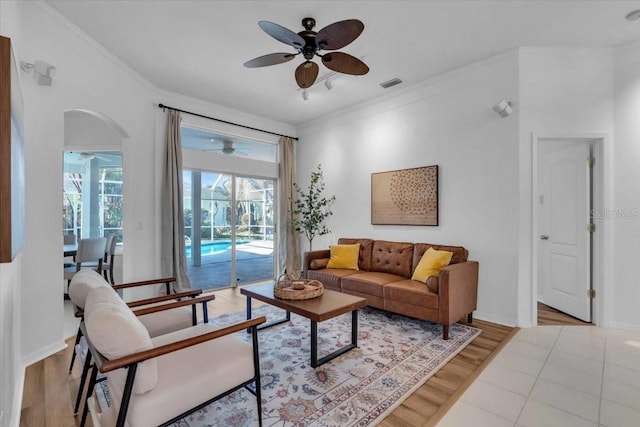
[49, 391]
[550, 316]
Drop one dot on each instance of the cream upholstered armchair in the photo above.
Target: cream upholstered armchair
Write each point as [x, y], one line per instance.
[157, 381]
[159, 315]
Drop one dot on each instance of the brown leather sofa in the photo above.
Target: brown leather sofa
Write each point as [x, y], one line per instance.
[384, 279]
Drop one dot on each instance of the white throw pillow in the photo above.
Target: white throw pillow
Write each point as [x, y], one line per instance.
[116, 332]
[82, 283]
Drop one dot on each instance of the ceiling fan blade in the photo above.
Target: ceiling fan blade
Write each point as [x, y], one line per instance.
[282, 34]
[306, 74]
[339, 34]
[270, 59]
[345, 63]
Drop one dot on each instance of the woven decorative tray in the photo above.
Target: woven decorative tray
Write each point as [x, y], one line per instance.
[297, 289]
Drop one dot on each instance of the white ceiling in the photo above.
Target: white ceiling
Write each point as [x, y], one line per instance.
[197, 48]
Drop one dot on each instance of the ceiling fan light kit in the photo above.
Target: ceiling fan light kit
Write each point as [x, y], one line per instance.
[227, 148]
[308, 43]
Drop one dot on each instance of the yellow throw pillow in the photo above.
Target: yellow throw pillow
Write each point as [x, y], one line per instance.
[344, 256]
[430, 264]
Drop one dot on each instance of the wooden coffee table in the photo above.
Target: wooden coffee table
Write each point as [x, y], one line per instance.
[328, 305]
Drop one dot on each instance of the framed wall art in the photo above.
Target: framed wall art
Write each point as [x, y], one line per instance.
[12, 178]
[405, 197]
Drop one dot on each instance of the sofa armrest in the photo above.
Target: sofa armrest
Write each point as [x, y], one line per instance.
[458, 290]
[310, 256]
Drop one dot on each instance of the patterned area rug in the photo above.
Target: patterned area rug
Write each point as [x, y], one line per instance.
[394, 357]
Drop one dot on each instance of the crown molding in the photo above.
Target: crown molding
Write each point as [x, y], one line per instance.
[433, 86]
[97, 46]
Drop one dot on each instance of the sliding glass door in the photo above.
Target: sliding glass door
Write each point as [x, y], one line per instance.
[229, 229]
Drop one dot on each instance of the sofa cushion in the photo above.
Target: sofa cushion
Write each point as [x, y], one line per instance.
[344, 256]
[116, 332]
[460, 254]
[330, 278]
[430, 264]
[411, 292]
[364, 257]
[370, 282]
[318, 264]
[392, 257]
[82, 283]
[433, 283]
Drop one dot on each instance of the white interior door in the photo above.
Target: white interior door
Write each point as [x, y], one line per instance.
[564, 269]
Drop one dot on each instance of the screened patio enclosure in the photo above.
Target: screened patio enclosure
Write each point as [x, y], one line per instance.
[92, 194]
[229, 229]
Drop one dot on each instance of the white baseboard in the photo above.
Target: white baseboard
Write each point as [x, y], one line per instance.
[625, 326]
[14, 420]
[43, 353]
[493, 319]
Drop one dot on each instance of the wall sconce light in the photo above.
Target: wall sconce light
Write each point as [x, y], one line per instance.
[503, 108]
[43, 72]
[305, 94]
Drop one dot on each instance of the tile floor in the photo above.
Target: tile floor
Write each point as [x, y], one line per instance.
[557, 376]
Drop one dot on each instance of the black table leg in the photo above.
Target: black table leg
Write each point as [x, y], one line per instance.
[287, 318]
[315, 362]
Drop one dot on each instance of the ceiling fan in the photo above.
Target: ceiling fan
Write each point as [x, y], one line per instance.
[309, 44]
[90, 155]
[228, 148]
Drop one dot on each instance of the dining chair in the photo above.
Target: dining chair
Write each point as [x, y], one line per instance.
[89, 250]
[106, 269]
[69, 239]
[109, 257]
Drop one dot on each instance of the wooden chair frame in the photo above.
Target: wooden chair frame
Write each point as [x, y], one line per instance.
[79, 313]
[193, 301]
[130, 362]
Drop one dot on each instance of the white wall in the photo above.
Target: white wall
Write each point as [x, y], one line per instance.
[88, 78]
[624, 276]
[485, 167]
[563, 92]
[446, 121]
[11, 369]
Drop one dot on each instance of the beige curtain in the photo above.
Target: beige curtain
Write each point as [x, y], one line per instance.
[289, 247]
[174, 259]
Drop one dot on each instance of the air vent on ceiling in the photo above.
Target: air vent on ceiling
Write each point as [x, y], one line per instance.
[389, 83]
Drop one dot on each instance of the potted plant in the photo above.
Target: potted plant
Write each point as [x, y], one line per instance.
[312, 208]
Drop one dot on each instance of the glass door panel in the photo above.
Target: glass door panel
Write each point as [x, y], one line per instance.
[229, 229]
[207, 201]
[254, 229]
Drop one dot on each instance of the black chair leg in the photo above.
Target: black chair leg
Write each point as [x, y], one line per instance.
[73, 356]
[83, 380]
[256, 368]
[92, 384]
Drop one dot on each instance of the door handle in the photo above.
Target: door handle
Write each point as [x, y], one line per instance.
[544, 237]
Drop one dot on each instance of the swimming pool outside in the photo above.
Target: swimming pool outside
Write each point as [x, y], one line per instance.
[212, 248]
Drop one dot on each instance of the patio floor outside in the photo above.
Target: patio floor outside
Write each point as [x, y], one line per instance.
[254, 263]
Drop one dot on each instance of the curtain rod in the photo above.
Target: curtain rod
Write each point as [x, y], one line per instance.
[225, 121]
